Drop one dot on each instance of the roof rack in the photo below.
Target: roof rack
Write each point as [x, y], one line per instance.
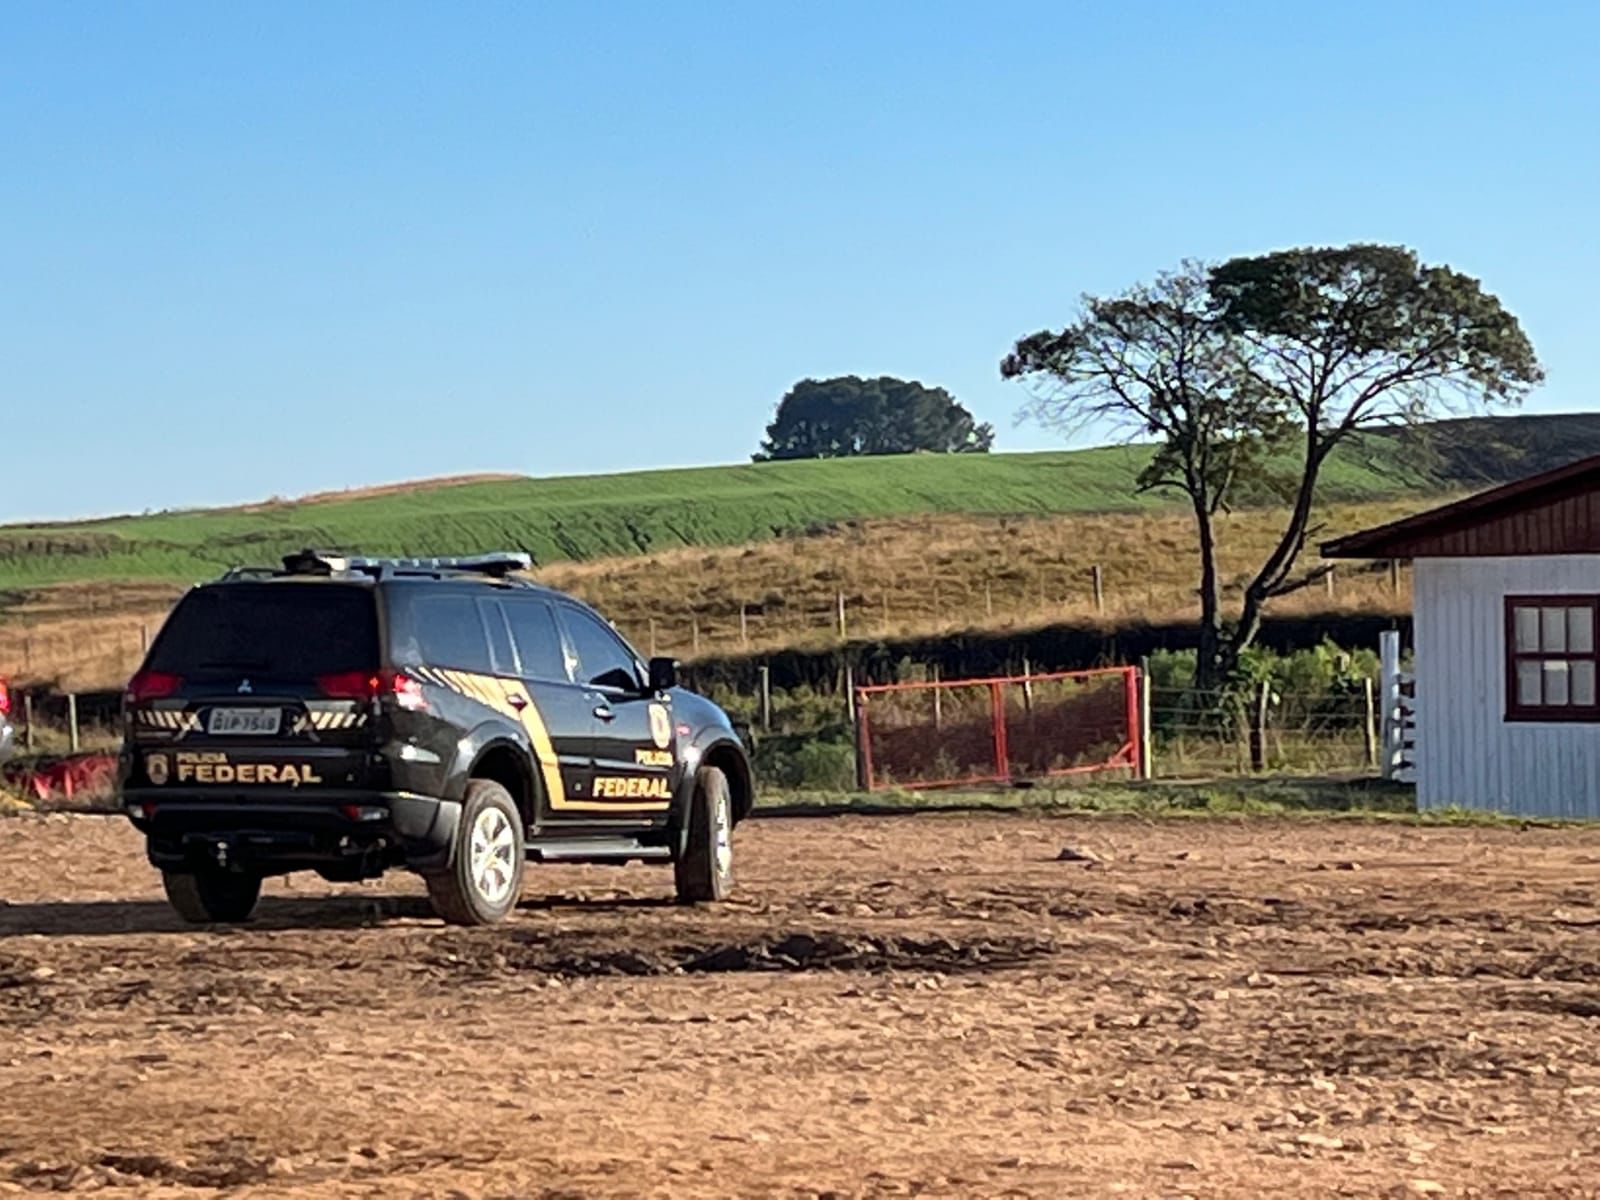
[499, 565]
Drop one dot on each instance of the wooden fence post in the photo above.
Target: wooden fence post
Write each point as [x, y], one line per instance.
[850, 692]
[72, 721]
[1328, 582]
[1394, 576]
[28, 738]
[766, 697]
[1258, 728]
[840, 599]
[744, 626]
[1369, 726]
[938, 707]
[1099, 588]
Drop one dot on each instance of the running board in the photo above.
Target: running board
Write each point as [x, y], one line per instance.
[596, 850]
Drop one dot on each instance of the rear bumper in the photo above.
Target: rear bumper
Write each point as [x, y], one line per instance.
[275, 830]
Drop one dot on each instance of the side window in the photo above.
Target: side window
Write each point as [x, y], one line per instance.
[449, 633]
[533, 626]
[603, 660]
[505, 662]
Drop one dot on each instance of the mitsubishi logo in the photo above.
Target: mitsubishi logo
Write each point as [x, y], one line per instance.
[244, 687]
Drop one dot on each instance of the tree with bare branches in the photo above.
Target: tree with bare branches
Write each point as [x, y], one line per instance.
[1235, 369]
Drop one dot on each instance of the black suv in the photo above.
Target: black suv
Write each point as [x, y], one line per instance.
[349, 715]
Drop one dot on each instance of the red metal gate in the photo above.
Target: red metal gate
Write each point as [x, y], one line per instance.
[957, 731]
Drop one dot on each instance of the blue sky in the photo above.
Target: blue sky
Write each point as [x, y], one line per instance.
[263, 248]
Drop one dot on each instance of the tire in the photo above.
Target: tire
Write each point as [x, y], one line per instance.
[483, 882]
[704, 870]
[206, 896]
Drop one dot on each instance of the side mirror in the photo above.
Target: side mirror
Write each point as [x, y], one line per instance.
[663, 674]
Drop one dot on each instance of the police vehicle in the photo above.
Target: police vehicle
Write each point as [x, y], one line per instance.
[352, 715]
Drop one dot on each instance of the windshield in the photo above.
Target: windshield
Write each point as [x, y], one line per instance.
[284, 630]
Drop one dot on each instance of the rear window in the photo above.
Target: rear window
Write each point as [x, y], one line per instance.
[287, 630]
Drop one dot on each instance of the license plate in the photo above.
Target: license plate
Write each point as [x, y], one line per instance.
[249, 722]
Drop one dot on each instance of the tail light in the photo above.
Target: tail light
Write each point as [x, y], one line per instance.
[5, 699]
[152, 685]
[374, 685]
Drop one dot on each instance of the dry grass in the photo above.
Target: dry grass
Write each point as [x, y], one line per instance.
[900, 577]
[928, 575]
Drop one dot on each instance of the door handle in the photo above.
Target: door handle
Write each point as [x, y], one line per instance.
[605, 712]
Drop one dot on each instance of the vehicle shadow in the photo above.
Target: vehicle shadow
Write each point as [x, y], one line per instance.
[110, 918]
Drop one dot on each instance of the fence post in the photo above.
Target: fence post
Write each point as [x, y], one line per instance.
[1027, 685]
[850, 692]
[938, 692]
[1099, 588]
[744, 627]
[1147, 755]
[1258, 728]
[1394, 576]
[839, 596]
[144, 638]
[27, 721]
[72, 721]
[863, 730]
[652, 637]
[1389, 658]
[694, 633]
[997, 711]
[988, 599]
[766, 697]
[1369, 732]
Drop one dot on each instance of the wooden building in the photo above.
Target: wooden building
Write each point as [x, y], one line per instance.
[1506, 603]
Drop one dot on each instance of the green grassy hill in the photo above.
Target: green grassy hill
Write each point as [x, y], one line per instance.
[590, 516]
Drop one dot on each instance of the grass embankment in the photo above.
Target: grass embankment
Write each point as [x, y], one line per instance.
[642, 512]
[918, 544]
[904, 577]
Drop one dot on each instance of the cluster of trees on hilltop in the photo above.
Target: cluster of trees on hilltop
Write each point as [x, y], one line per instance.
[848, 415]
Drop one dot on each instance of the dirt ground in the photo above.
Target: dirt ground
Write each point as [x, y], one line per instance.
[901, 1006]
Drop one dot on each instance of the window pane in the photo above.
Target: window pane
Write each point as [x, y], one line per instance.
[1580, 630]
[1555, 682]
[1527, 630]
[1583, 683]
[1528, 691]
[538, 641]
[1555, 630]
[448, 632]
[284, 630]
[602, 658]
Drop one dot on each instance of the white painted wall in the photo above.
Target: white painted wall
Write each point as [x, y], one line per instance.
[1467, 753]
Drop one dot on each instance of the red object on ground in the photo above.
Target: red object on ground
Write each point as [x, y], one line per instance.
[65, 778]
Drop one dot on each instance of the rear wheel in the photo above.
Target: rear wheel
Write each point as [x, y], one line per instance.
[211, 895]
[484, 879]
[704, 870]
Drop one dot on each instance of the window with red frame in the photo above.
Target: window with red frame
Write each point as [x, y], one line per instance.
[1550, 658]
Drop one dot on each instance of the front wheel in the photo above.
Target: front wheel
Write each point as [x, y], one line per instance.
[484, 880]
[704, 870]
[210, 895]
